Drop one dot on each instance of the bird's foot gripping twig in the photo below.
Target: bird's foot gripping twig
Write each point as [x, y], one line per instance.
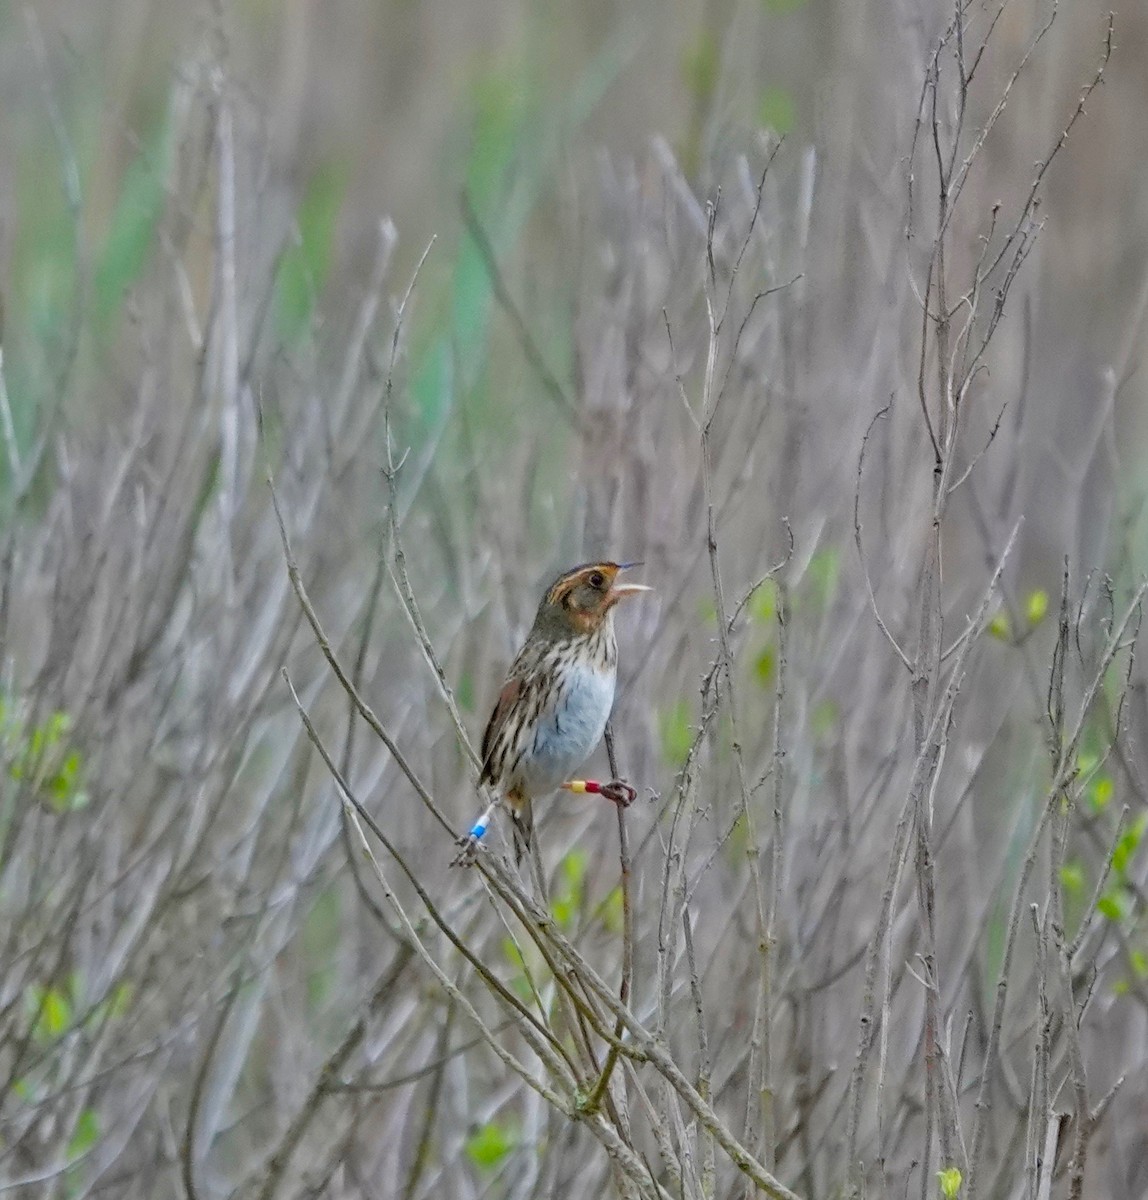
[622, 794]
[469, 851]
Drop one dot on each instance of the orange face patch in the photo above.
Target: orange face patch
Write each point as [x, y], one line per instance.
[596, 577]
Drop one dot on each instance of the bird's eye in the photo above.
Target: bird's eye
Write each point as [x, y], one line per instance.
[597, 579]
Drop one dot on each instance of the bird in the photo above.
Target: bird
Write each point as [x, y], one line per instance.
[552, 710]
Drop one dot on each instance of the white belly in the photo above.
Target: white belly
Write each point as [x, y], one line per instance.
[567, 736]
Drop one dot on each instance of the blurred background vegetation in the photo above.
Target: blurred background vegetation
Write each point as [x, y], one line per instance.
[191, 209]
[362, 110]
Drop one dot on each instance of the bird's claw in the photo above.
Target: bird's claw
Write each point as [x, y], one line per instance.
[617, 790]
[620, 792]
[469, 852]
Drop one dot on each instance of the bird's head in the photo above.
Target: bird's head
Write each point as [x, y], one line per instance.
[580, 599]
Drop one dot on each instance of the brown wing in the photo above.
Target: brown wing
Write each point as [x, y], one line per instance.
[506, 698]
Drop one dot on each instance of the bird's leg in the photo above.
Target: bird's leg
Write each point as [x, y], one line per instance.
[469, 843]
[622, 794]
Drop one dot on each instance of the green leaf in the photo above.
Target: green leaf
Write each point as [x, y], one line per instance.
[763, 606]
[51, 1009]
[69, 770]
[764, 665]
[66, 801]
[823, 720]
[824, 568]
[1072, 877]
[121, 998]
[63, 791]
[489, 1145]
[1115, 904]
[114, 1004]
[999, 628]
[567, 901]
[86, 1133]
[1139, 961]
[56, 728]
[1100, 794]
[57, 1014]
[1036, 606]
[564, 908]
[513, 954]
[1128, 844]
[574, 868]
[612, 914]
[950, 1180]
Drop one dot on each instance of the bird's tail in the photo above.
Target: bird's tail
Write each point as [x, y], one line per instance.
[522, 818]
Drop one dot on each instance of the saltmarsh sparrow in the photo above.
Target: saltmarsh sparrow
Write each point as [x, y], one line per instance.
[553, 707]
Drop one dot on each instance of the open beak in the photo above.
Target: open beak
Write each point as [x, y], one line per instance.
[621, 590]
